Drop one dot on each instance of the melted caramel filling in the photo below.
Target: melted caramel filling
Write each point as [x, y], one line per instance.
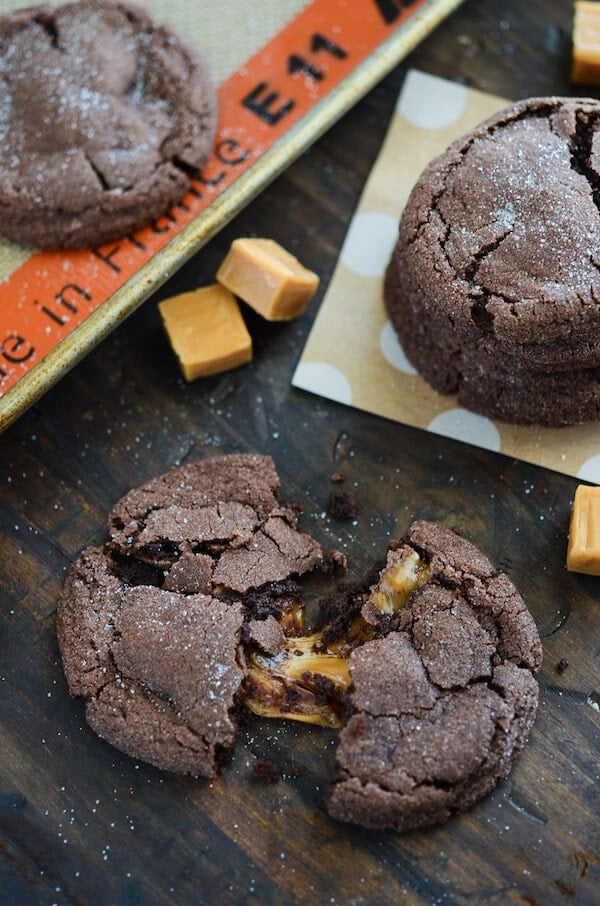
[399, 582]
[308, 679]
[303, 682]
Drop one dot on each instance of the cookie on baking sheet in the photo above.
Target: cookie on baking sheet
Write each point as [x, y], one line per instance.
[444, 698]
[151, 625]
[103, 117]
[494, 283]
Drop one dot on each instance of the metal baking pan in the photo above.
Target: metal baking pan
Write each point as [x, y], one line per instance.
[383, 33]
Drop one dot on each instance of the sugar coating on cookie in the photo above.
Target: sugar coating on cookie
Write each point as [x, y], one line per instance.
[494, 285]
[103, 117]
[443, 699]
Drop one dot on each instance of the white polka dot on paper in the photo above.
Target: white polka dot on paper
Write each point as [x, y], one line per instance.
[590, 470]
[430, 102]
[324, 380]
[468, 427]
[369, 243]
[392, 350]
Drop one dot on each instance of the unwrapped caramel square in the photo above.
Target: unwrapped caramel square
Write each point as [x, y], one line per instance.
[583, 553]
[585, 62]
[207, 331]
[268, 278]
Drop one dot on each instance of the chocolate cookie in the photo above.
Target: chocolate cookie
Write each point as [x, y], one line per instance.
[151, 625]
[103, 117]
[160, 672]
[191, 612]
[222, 513]
[443, 701]
[494, 280]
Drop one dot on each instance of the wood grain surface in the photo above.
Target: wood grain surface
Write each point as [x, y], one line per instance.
[82, 824]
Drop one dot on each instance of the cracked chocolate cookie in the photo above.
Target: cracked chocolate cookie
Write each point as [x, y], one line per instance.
[103, 117]
[443, 697]
[494, 285]
[160, 673]
[151, 625]
[192, 612]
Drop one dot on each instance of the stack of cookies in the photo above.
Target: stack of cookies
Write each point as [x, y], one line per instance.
[494, 285]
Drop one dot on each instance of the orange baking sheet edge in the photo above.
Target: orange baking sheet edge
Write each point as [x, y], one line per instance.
[51, 293]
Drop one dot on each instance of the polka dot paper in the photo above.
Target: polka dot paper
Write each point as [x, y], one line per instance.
[366, 367]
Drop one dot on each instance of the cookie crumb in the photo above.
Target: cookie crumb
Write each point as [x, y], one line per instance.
[338, 477]
[267, 771]
[335, 563]
[343, 505]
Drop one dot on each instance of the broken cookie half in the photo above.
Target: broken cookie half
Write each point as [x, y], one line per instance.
[192, 613]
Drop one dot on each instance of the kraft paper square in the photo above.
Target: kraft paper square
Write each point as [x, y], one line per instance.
[352, 355]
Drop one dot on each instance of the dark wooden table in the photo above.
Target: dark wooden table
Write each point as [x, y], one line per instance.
[79, 822]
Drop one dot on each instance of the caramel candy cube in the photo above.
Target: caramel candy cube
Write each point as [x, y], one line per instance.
[583, 553]
[207, 331]
[267, 278]
[585, 63]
